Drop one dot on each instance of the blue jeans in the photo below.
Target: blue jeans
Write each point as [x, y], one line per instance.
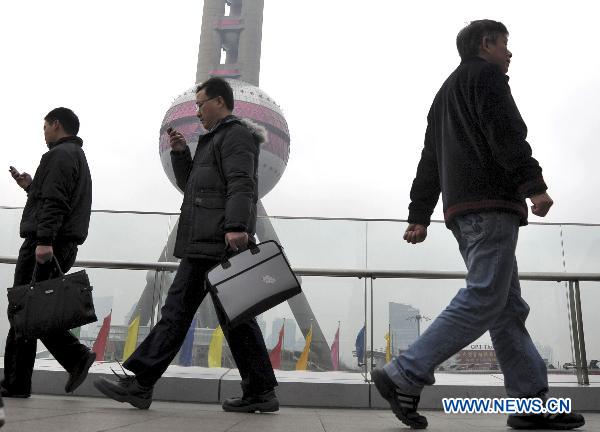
[491, 301]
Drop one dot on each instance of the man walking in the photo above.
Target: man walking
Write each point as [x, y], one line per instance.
[55, 221]
[220, 187]
[477, 156]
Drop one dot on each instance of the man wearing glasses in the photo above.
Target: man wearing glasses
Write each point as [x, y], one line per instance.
[220, 186]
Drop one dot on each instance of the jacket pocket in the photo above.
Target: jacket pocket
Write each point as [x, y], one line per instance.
[208, 218]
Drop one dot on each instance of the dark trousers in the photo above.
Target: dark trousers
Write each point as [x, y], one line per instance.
[19, 355]
[150, 360]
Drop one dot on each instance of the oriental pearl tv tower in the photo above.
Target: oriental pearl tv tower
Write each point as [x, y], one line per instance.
[230, 45]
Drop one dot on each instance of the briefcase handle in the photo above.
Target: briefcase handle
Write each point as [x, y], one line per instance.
[254, 249]
[35, 269]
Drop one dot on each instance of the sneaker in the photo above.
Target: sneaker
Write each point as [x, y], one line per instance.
[546, 421]
[126, 389]
[403, 405]
[2, 415]
[78, 375]
[248, 403]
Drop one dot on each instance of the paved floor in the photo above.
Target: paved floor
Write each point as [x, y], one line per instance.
[74, 414]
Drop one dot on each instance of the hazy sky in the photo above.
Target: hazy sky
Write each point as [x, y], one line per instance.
[355, 80]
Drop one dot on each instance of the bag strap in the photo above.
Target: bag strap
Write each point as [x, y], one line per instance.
[35, 269]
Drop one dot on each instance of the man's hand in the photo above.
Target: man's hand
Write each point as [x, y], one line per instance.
[43, 254]
[176, 140]
[415, 233]
[23, 180]
[541, 204]
[236, 240]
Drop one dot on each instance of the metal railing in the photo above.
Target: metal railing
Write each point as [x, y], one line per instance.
[572, 279]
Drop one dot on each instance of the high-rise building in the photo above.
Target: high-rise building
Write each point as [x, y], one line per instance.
[404, 326]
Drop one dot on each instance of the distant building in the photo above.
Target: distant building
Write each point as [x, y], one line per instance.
[404, 326]
[546, 352]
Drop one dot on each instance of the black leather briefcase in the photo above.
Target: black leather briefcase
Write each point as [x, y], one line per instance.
[252, 282]
[44, 307]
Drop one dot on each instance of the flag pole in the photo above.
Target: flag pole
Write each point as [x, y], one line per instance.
[338, 351]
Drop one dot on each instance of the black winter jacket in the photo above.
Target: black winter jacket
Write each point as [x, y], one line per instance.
[59, 200]
[475, 150]
[220, 186]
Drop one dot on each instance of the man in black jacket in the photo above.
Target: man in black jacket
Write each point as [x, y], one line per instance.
[477, 156]
[220, 187]
[55, 221]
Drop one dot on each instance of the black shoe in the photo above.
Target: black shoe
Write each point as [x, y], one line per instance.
[249, 403]
[403, 405]
[5, 392]
[78, 375]
[126, 389]
[546, 421]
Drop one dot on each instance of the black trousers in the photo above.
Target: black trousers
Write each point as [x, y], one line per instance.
[19, 354]
[150, 360]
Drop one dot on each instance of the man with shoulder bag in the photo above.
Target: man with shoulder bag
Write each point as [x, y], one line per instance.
[54, 223]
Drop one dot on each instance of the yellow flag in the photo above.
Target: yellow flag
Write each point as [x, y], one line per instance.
[132, 337]
[303, 360]
[388, 348]
[215, 348]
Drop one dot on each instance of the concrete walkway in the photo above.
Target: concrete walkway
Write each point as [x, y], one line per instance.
[75, 414]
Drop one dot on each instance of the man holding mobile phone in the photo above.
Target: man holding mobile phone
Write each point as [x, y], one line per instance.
[54, 222]
[220, 184]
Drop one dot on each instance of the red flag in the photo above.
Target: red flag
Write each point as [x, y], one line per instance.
[275, 354]
[335, 350]
[100, 342]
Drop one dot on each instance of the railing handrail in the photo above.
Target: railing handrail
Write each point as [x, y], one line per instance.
[320, 218]
[325, 272]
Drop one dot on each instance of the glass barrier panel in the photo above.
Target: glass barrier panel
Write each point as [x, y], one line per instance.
[333, 244]
[404, 308]
[328, 304]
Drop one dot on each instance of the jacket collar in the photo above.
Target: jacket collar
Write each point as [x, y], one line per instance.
[475, 59]
[225, 120]
[73, 139]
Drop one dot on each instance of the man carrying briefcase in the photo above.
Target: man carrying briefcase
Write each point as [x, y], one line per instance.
[220, 187]
[55, 221]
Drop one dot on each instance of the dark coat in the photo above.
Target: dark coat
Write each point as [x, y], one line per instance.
[59, 200]
[220, 186]
[475, 150]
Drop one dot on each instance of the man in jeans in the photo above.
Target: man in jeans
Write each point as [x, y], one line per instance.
[477, 156]
[55, 221]
[220, 185]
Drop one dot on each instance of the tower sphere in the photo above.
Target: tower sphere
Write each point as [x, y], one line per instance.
[251, 103]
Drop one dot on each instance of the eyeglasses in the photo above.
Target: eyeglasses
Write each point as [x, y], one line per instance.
[199, 105]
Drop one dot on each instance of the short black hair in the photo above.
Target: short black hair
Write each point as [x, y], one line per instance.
[66, 117]
[214, 87]
[470, 37]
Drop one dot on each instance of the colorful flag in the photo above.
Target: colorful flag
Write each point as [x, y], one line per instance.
[303, 360]
[215, 348]
[335, 350]
[132, 337]
[99, 346]
[275, 354]
[388, 347]
[186, 353]
[360, 346]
